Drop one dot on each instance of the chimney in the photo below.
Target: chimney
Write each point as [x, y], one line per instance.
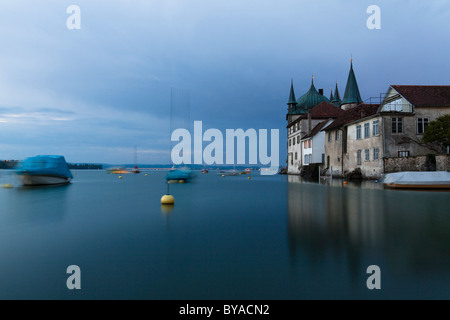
[321, 92]
[309, 122]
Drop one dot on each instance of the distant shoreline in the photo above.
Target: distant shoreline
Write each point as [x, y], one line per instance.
[10, 164]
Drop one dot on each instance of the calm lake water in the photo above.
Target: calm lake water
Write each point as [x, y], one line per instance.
[270, 237]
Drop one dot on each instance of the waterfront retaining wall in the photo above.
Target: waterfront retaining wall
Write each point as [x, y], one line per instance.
[418, 163]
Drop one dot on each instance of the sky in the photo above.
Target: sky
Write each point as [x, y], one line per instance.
[93, 94]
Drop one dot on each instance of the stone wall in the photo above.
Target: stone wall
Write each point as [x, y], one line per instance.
[443, 162]
[419, 163]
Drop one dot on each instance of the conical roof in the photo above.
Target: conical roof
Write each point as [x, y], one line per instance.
[331, 95]
[336, 100]
[310, 99]
[292, 94]
[351, 94]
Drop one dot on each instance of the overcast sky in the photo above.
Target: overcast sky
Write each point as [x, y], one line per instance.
[93, 94]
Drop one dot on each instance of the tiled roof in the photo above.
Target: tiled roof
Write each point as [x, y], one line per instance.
[324, 110]
[361, 111]
[425, 96]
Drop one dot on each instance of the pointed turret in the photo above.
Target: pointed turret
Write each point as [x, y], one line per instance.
[292, 103]
[331, 95]
[351, 96]
[336, 100]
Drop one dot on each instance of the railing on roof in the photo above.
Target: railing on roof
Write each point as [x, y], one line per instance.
[391, 106]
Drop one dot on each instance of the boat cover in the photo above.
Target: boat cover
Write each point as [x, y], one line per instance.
[418, 178]
[45, 165]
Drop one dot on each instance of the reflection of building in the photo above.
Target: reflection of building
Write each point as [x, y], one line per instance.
[345, 229]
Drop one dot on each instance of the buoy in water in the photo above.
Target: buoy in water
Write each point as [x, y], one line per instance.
[7, 185]
[146, 174]
[120, 177]
[223, 176]
[181, 181]
[248, 178]
[345, 182]
[167, 199]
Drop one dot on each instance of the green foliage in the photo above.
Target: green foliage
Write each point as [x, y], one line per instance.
[438, 131]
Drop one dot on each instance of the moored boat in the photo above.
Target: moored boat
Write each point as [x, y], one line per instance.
[117, 170]
[44, 170]
[179, 175]
[417, 180]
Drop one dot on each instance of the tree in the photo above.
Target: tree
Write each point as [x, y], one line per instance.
[438, 132]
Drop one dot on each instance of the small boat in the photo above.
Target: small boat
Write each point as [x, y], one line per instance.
[135, 170]
[417, 180]
[117, 170]
[205, 171]
[44, 170]
[231, 172]
[179, 175]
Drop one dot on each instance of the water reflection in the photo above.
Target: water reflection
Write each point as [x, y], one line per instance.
[33, 205]
[352, 224]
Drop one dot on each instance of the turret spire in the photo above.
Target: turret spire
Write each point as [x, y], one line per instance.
[351, 95]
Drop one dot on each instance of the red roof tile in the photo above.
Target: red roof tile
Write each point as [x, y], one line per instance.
[361, 111]
[425, 96]
[324, 110]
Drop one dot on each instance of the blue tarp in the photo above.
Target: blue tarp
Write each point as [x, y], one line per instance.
[183, 174]
[45, 165]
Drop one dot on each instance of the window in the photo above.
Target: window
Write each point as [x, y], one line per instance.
[329, 136]
[292, 158]
[338, 135]
[358, 132]
[293, 141]
[422, 124]
[396, 125]
[366, 155]
[290, 142]
[403, 154]
[339, 159]
[358, 157]
[376, 128]
[296, 156]
[309, 143]
[307, 159]
[366, 130]
[298, 139]
[306, 144]
[376, 153]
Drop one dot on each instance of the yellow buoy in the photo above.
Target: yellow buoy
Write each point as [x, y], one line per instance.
[167, 199]
[181, 181]
[248, 178]
[120, 177]
[146, 174]
[7, 185]
[223, 176]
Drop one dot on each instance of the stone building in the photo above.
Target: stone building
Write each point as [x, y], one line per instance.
[368, 139]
